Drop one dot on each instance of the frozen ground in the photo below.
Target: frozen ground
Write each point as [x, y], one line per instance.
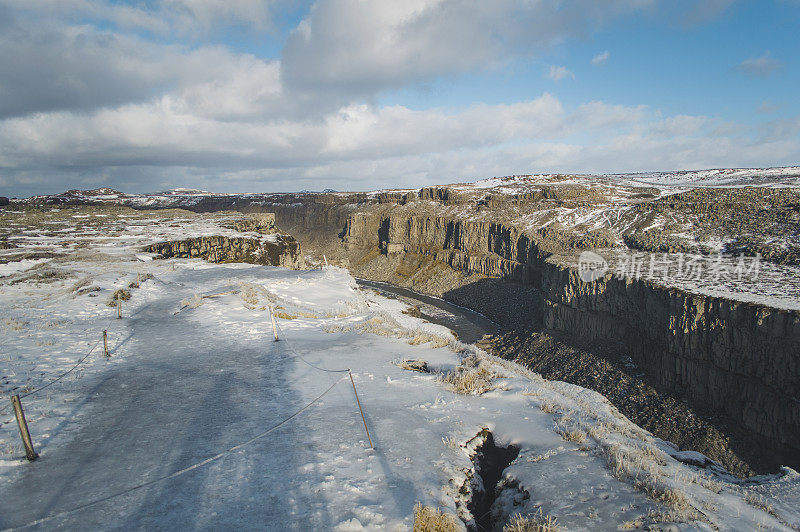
[200, 420]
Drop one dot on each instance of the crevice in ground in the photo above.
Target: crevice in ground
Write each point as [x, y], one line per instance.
[481, 486]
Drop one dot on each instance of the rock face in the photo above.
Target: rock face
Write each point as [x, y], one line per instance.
[740, 358]
[261, 222]
[281, 250]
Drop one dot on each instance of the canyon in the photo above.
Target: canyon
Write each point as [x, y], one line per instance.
[702, 366]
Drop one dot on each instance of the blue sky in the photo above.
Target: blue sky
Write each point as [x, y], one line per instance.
[250, 95]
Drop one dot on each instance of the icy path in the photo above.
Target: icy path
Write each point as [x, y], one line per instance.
[182, 387]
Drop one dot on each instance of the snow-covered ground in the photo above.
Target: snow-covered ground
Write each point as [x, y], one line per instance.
[788, 176]
[200, 420]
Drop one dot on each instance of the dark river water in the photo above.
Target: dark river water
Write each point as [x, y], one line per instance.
[469, 325]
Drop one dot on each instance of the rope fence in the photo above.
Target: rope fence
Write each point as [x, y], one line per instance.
[180, 471]
[215, 457]
[349, 373]
[298, 355]
[64, 374]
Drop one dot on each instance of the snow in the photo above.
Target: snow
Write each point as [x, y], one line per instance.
[205, 383]
[19, 266]
[744, 279]
[721, 177]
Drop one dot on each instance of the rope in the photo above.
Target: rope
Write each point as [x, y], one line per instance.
[70, 370]
[297, 355]
[181, 471]
[358, 401]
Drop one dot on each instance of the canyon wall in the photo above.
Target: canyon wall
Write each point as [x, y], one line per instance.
[740, 358]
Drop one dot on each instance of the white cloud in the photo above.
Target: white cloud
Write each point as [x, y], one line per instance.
[183, 17]
[165, 143]
[761, 67]
[352, 45]
[557, 73]
[84, 106]
[601, 58]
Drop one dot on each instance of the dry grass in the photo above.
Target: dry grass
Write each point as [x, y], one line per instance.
[548, 408]
[436, 342]
[86, 281]
[414, 365]
[120, 294]
[637, 463]
[537, 522]
[451, 442]
[41, 274]
[428, 519]
[14, 324]
[382, 325]
[576, 436]
[88, 290]
[192, 302]
[249, 295]
[385, 325]
[253, 294]
[474, 376]
[140, 279]
[758, 501]
[655, 488]
[633, 524]
[539, 457]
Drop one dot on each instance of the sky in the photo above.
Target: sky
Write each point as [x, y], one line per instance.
[281, 96]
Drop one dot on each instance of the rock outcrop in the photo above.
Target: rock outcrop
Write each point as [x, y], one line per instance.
[277, 250]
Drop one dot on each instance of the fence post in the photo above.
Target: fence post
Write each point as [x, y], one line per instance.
[363, 419]
[274, 328]
[30, 454]
[119, 308]
[105, 343]
[326, 260]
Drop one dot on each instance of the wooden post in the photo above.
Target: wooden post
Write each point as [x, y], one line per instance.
[363, 419]
[326, 260]
[139, 280]
[274, 327]
[119, 308]
[105, 343]
[30, 454]
[173, 266]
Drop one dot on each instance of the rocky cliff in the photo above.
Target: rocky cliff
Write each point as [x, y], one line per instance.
[277, 250]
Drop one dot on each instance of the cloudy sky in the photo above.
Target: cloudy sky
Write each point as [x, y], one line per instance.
[271, 95]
